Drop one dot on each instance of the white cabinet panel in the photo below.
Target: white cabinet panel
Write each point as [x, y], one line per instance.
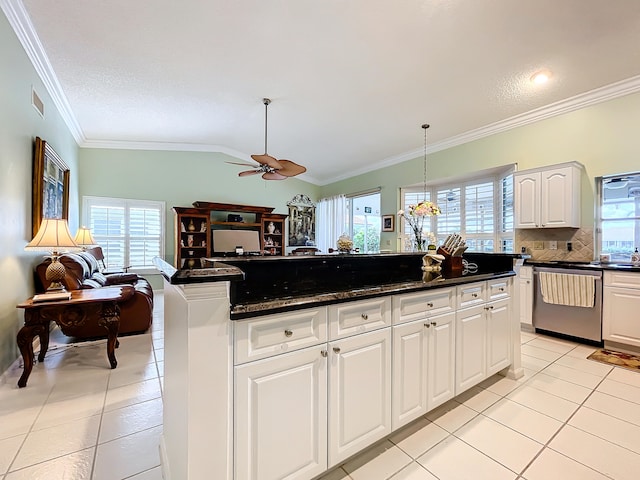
[548, 197]
[281, 417]
[498, 289]
[274, 334]
[409, 400]
[472, 294]
[620, 320]
[525, 285]
[471, 332]
[351, 318]
[359, 392]
[414, 306]
[441, 360]
[498, 336]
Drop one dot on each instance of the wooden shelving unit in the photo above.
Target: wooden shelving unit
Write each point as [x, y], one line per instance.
[193, 236]
[273, 238]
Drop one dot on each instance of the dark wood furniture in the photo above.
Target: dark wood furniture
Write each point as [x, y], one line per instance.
[72, 312]
[195, 224]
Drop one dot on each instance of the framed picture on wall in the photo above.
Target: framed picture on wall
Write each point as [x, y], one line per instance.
[50, 185]
[388, 223]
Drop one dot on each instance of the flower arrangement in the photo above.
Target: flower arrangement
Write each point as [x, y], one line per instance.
[345, 244]
[415, 217]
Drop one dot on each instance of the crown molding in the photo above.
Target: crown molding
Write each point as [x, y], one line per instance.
[21, 23]
[577, 102]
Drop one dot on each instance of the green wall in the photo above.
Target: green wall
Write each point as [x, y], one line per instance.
[179, 179]
[19, 125]
[602, 137]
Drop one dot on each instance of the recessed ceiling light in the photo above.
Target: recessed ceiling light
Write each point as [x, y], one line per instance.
[541, 77]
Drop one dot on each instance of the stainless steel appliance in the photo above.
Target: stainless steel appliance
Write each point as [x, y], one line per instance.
[580, 322]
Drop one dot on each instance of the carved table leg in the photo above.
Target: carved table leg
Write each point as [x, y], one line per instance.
[110, 319]
[25, 343]
[44, 340]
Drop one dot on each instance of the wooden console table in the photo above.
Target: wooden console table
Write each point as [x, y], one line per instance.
[72, 312]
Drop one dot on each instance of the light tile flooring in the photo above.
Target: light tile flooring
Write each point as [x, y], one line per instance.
[567, 418]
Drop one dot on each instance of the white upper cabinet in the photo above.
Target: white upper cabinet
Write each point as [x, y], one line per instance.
[548, 197]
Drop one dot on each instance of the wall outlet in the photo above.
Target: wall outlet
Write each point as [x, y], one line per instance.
[538, 245]
[553, 245]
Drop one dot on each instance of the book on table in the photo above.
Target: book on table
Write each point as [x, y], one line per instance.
[51, 297]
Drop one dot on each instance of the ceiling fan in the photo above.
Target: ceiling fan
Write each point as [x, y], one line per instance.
[270, 168]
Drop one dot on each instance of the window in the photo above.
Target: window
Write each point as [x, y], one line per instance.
[365, 222]
[479, 209]
[618, 218]
[130, 232]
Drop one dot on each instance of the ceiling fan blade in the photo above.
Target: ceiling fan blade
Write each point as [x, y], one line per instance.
[267, 160]
[246, 173]
[273, 176]
[243, 164]
[290, 169]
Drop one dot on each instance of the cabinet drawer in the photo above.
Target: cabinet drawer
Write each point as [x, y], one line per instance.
[279, 333]
[414, 306]
[497, 289]
[621, 279]
[350, 318]
[470, 295]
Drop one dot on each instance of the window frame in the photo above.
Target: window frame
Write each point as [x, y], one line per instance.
[89, 201]
[501, 235]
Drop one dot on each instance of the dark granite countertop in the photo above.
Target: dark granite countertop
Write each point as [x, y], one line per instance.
[214, 272]
[429, 281]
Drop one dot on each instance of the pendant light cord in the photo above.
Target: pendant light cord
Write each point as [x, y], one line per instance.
[266, 102]
[424, 185]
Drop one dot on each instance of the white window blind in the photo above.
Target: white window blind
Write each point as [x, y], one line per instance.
[480, 209]
[130, 232]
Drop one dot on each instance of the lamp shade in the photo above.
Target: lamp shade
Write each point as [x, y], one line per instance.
[84, 238]
[53, 236]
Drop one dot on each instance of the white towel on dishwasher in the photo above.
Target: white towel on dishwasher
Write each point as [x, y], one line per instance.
[568, 289]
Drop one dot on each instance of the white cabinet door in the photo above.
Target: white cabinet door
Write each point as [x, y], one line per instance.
[359, 393]
[441, 372]
[525, 284]
[471, 333]
[560, 205]
[527, 199]
[409, 397]
[498, 336]
[281, 417]
[620, 322]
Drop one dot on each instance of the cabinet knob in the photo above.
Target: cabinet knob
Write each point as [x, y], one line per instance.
[427, 325]
[365, 316]
[434, 324]
[474, 295]
[323, 353]
[528, 281]
[502, 289]
[336, 349]
[288, 333]
[430, 304]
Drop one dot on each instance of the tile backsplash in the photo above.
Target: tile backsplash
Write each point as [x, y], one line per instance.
[539, 243]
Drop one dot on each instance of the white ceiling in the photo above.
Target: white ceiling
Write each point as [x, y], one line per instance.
[351, 81]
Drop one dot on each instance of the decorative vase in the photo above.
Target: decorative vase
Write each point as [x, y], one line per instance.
[271, 227]
[191, 227]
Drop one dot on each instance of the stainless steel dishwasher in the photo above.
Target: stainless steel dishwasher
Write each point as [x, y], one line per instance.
[579, 322]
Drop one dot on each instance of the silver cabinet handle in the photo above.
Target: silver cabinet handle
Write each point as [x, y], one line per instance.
[430, 304]
[474, 295]
[336, 349]
[323, 353]
[434, 324]
[502, 289]
[288, 333]
[365, 316]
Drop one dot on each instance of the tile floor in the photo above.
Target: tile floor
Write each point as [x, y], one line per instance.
[567, 418]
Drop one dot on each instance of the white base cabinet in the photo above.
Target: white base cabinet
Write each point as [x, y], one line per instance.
[281, 417]
[620, 307]
[359, 393]
[525, 285]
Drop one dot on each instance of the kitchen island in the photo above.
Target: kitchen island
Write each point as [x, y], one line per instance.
[285, 368]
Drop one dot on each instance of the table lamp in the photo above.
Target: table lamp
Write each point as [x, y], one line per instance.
[84, 238]
[53, 236]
